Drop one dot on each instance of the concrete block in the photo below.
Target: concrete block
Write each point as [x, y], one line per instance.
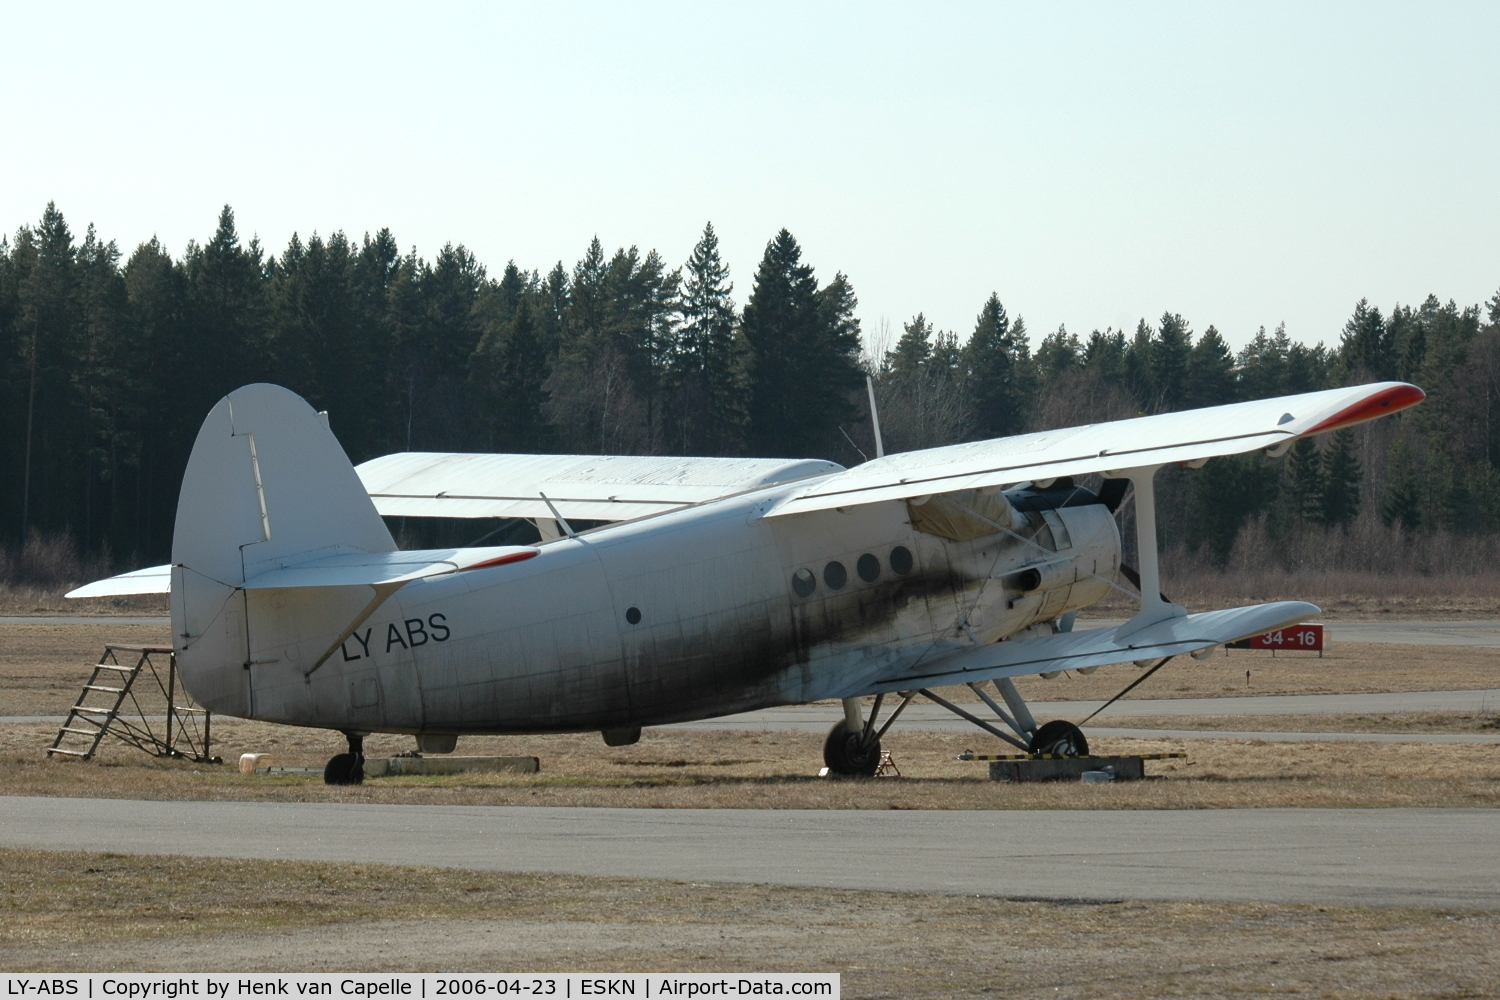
[381, 767]
[1064, 768]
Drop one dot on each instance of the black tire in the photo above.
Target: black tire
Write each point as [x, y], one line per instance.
[1060, 737]
[847, 757]
[345, 769]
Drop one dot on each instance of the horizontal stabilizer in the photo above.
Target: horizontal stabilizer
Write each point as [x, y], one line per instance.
[377, 569]
[151, 580]
[1185, 436]
[348, 570]
[584, 487]
[1096, 647]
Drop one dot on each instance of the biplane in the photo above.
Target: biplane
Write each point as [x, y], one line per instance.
[663, 590]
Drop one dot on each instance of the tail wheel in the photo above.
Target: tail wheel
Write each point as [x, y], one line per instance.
[345, 769]
[848, 755]
[1060, 737]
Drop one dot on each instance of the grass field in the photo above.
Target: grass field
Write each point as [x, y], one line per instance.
[680, 768]
[81, 912]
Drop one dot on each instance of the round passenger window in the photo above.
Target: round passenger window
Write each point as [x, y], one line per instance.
[804, 583]
[835, 575]
[901, 559]
[868, 567]
[633, 615]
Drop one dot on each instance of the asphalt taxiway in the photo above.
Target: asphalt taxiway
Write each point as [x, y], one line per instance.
[1409, 857]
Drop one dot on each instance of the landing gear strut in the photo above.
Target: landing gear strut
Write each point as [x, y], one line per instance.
[1058, 737]
[347, 768]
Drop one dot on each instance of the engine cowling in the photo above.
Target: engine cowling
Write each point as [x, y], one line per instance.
[1042, 576]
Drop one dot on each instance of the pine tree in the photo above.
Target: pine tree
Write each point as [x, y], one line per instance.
[998, 372]
[1059, 353]
[1305, 481]
[555, 304]
[1341, 478]
[156, 304]
[912, 352]
[1402, 502]
[802, 363]
[1140, 378]
[1208, 377]
[1104, 356]
[226, 311]
[1365, 351]
[101, 377]
[838, 345]
[1169, 352]
[507, 376]
[48, 323]
[706, 361]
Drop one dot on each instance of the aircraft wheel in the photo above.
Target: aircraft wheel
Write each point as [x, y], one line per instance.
[846, 755]
[345, 769]
[1060, 737]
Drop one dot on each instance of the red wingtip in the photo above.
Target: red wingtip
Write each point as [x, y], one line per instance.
[509, 557]
[1381, 404]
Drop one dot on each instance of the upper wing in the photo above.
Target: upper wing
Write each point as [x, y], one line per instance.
[1094, 647]
[1186, 436]
[587, 487]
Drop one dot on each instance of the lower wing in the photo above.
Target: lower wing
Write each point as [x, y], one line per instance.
[1093, 647]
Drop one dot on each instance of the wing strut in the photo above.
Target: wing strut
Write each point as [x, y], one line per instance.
[1153, 608]
[561, 522]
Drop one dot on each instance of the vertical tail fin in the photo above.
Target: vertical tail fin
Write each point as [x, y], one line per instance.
[267, 484]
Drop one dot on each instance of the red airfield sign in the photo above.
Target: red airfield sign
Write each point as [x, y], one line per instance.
[1308, 637]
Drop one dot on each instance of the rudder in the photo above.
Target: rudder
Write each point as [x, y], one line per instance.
[267, 484]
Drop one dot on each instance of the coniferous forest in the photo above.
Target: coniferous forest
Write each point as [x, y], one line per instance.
[109, 362]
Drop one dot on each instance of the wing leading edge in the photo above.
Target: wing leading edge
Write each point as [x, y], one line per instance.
[1185, 436]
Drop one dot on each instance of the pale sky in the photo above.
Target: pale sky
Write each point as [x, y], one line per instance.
[1093, 163]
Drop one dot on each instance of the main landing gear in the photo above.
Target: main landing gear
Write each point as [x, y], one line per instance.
[852, 749]
[853, 745]
[1060, 738]
[347, 768]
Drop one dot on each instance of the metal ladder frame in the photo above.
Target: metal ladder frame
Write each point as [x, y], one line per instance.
[184, 738]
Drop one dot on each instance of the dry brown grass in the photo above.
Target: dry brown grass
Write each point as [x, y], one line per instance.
[1383, 722]
[24, 601]
[1345, 668]
[680, 768]
[85, 912]
[43, 667]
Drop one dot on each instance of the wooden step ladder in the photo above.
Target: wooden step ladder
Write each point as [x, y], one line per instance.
[101, 709]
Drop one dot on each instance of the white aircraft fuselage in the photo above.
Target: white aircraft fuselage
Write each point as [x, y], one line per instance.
[701, 612]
